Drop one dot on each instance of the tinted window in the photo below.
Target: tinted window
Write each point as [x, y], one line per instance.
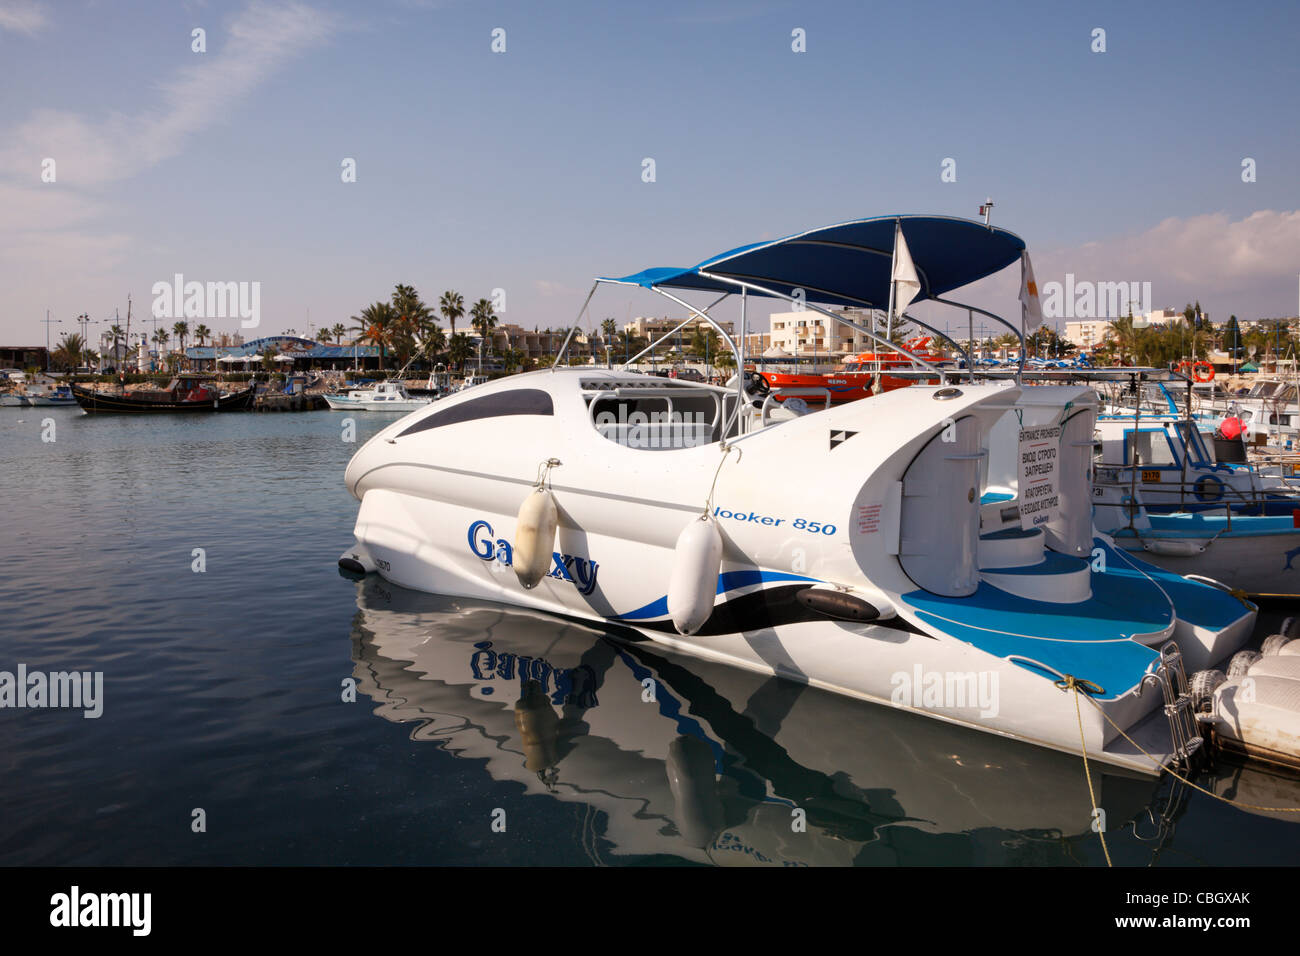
[519, 401]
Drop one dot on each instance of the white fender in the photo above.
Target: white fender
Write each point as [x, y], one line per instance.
[535, 537]
[693, 585]
[1181, 547]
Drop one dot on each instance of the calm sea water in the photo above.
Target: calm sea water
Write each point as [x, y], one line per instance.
[225, 691]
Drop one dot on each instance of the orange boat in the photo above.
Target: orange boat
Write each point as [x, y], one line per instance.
[867, 373]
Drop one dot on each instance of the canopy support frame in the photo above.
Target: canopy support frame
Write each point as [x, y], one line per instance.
[762, 290]
[1019, 333]
[564, 347]
[685, 322]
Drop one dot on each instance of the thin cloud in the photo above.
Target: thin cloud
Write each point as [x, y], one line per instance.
[259, 41]
[22, 16]
[1246, 266]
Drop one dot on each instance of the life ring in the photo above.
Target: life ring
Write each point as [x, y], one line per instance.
[1203, 372]
[1184, 368]
[1208, 488]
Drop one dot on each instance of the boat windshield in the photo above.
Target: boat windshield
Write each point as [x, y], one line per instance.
[659, 415]
[1193, 442]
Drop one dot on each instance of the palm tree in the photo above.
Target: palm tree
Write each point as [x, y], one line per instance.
[69, 352]
[452, 307]
[609, 330]
[337, 332]
[375, 325]
[181, 330]
[483, 319]
[413, 320]
[458, 349]
[433, 341]
[202, 333]
[1124, 336]
[117, 333]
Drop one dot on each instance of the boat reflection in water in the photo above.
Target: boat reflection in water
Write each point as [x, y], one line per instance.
[709, 763]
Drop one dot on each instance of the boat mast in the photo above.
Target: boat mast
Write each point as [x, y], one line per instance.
[126, 344]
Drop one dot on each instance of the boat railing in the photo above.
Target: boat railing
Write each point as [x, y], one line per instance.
[777, 395]
[1228, 496]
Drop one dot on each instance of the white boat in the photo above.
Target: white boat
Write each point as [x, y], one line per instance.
[383, 397]
[1256, 554]
[1164, 453]
[48, 394]
[710, 767]
[895, 549]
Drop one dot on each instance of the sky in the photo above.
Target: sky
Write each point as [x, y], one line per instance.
[522, 170]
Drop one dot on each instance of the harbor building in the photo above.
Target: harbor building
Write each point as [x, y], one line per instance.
[23, 356]
[808, 332]
[653, 329]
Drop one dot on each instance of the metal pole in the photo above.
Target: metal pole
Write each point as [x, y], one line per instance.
[763, 290]
[740, 356]
[689, 319]
[564, 347]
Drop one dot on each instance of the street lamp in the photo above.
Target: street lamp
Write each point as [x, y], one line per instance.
[48, 322]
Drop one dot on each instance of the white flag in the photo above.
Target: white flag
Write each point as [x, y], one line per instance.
[906, 282]
[1032, 313]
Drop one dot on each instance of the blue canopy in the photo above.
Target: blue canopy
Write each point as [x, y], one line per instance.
[849, 264]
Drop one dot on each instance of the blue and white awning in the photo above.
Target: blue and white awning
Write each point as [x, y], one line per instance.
[849, 264]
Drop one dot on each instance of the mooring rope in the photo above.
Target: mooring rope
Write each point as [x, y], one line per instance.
[1087, 689]
[1074, 683]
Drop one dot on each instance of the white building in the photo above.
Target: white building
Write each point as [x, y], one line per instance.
[1090, 333]
[808, 332]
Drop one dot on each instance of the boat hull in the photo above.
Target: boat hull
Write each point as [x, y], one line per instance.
[440, 498]
[758, 625]
[343, 403]
[844, 387]
[41, 401]
[96, 402]
[1257, 563]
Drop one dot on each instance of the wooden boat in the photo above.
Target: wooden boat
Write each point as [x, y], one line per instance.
[185, 393]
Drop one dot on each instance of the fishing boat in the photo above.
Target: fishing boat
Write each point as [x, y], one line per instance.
[1163, 451]
[863, 375]
[185, 393]
[382, 397]
[890, 550]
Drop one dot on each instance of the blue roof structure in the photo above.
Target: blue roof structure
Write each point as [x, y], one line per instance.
[849, 264]
[292, 345]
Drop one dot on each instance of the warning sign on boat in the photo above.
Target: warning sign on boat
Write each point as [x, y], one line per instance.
[1040, 453]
